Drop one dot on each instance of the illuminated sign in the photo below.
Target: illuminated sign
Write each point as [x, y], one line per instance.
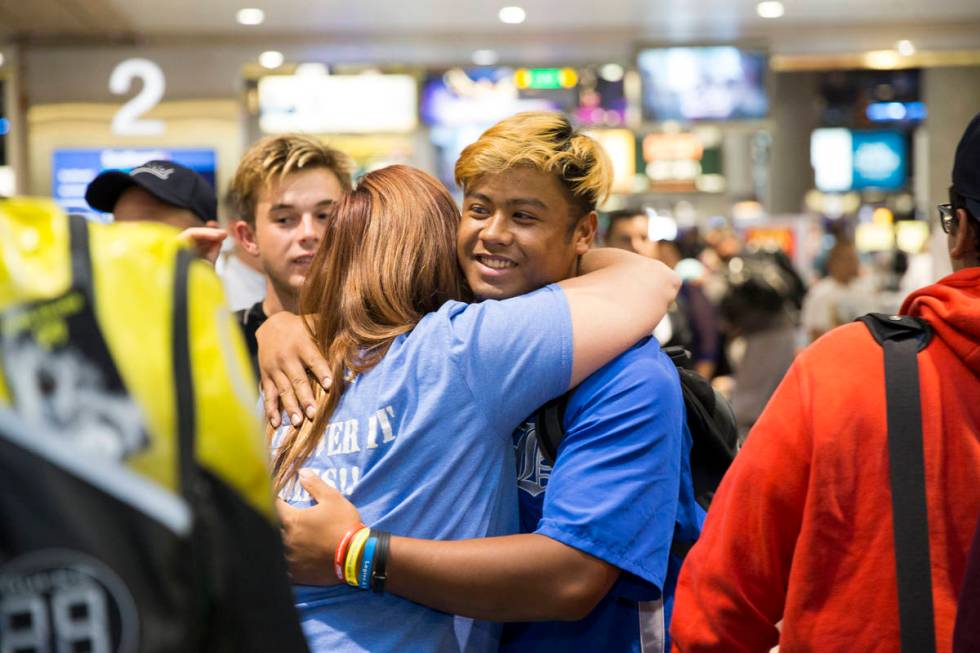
[545, 78]
[845, 160]
[684, 161]
[879, 160]
[896, 111]
[620, 145]
[768, 237]
[338, 104]
[72, 169]
[830, 157]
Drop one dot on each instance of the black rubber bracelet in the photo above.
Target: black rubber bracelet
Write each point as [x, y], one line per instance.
[379, 567]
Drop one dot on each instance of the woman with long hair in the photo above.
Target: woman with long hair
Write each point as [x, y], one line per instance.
[416, 426]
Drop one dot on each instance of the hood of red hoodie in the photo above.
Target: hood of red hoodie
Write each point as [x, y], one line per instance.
[952, 308]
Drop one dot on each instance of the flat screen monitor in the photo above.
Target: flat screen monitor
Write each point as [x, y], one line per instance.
[880, 160]
[863, 98]
[703, 83]
[73, 169]
[845, 159]
[483, 96]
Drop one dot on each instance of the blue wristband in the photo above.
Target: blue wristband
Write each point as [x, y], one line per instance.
[367, 561]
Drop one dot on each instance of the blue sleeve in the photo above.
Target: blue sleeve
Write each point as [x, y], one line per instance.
[514, 354]
[613, 492]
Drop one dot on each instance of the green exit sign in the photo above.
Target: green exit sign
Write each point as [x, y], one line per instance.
[545, 78]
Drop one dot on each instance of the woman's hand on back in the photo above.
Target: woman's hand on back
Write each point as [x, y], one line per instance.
[310, 535]
[286, 352]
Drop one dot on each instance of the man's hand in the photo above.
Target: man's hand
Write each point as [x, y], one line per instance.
[206, 241]
[286, 352]
[311, 535]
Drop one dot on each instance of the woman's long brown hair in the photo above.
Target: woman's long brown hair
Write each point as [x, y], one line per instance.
[387, 258]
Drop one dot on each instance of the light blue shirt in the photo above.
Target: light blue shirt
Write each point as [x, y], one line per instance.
[421, 444]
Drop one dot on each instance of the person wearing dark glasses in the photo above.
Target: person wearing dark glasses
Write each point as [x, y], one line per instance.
[963, 208]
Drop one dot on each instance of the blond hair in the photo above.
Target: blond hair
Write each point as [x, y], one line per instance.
[387, 258]
[274, 157]
[545, 141]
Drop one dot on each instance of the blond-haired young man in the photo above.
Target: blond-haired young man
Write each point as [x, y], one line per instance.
[281, 197]
[596, 529]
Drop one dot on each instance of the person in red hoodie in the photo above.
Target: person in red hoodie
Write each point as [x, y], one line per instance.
[800, 530]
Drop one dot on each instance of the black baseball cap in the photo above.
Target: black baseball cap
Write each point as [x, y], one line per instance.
[966, 168]
[167, 181]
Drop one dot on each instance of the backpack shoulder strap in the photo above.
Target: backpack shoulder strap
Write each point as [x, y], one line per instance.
[902, 338]
[897, 327]
[550, 428]
[81, 258]
[183, 374]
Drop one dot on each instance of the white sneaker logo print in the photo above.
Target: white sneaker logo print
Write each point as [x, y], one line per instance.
[157, 171]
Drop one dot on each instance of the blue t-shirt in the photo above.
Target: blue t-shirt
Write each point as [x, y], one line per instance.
[620, 490]
[421, 444]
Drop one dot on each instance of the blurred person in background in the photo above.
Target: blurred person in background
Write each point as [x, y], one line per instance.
[630, 230]
[163, 192]
[701, 315]
[760, 313]
[802, 527]
[839, 297]
[692, 321]
[281, 198]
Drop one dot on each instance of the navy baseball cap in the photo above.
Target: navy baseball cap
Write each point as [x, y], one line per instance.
[167, 181]
[966, 167]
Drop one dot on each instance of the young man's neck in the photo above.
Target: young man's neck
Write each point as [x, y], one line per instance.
[277, 301]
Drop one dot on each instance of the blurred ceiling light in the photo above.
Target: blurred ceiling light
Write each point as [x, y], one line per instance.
[882, 59]
[250, 16]
[271, 59]
[1, 58]
[512, 15]
[612, 72]
[485, 57]
[882, 216]
[905, 48]
[311, 69]
[770, 9]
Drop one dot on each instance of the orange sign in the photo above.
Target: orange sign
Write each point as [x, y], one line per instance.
[781, 237]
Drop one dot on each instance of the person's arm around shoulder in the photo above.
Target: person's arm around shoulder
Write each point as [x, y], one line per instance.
[618, 298]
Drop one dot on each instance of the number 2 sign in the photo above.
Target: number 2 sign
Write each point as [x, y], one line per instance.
[127, 121]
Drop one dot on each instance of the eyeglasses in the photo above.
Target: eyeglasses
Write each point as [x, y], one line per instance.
[947, 217]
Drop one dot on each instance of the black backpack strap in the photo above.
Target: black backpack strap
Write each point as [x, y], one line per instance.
[81, 260]
[549, 426]
[902, 338]
[192, 484]
[678, 355]
[183, 374]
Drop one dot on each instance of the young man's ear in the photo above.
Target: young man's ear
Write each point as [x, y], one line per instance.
[245, 234]
[965, 239]
[585, 232]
